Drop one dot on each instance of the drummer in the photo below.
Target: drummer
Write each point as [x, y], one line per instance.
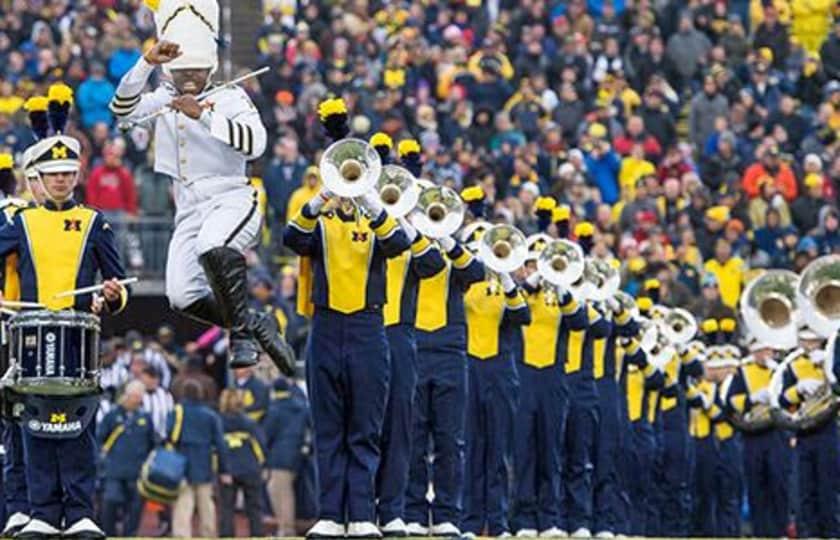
[61, 246]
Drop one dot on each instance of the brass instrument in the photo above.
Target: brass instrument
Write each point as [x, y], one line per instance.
[350, 168]
[770, 308]
[679, 326]
[503, 248]
[439, 211]
[759, 418]
[819, 289]
[561, 263]
[813, 412]
[398, 190]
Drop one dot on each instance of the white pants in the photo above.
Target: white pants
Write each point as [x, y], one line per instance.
[210, 213]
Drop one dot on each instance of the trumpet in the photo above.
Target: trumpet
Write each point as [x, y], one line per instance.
[598, 282]
[503, 248]
[350, 168]
[769, 307]
[561, 263]
[398, 190]
[439, 212]
[659, 350]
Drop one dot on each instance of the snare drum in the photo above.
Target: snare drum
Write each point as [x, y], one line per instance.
[54, 352]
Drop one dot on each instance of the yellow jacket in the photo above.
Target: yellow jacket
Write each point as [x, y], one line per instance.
[730, 276]
[811, 21]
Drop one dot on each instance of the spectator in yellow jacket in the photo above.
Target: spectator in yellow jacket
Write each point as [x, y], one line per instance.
[811, 22]
[309, 188]
[729, 272]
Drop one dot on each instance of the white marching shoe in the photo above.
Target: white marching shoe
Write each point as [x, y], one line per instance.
[394, 528]
[15, 523]
[604, 534]
[446, 529]
[84, 529]
[554, 532]
[505, 534]
[583, 532]
[526, 533]
[363, 529]
[415, 529]
[38, 530]
[326, 528]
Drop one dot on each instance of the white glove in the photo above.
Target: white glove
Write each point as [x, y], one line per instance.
[613, 305]
[318, 201]
[408, 229]
[760, 397]
[507, 282]
[560, 290]
[807, 387]
[447, 243]
[817, 356]
[533, 280]
[707, 401]
[371, 202]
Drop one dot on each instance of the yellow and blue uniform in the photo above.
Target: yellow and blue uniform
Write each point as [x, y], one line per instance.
[61, 249]
[494, 318]
[700, 397]
[581, 434]
[541, 412]
[15, 494]
[246, 449]
[606, 493]
[441, 392]
[765, 454]
[817, 450]
[347, 354]
[640, 382]
[404, 273]
[125, 439]
[729, 474]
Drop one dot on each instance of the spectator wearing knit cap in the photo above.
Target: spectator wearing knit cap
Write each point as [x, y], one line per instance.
[805, 210]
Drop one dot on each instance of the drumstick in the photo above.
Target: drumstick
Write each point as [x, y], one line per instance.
[21, 305]
[94, 288]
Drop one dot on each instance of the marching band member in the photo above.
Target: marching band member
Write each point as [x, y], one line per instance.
[582, 422]
[543, 402]
[61, 472]
[728, 476]
[765, 453]
[441, 400]
[347, 353]
[817, 449]
[205, 148]
[642, 381]
[700, 397]
[404, 272]
[495, 310]
[14, 482]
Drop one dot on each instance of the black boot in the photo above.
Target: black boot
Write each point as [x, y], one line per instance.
[227, 274]
[205, 310]
[265, 329]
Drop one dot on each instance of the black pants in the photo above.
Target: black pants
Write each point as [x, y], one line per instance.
[121, 498]
[251, 487]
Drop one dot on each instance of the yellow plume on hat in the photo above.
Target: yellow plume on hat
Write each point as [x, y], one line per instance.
[36, 104]
[561, 213]
[329, 107]
[644, 303]
[652, 284]
[727, 325]
[636, 264]
[6, 161]
[381, 139]
[584, 228]
[60, 93]
[408, 146]
[709, 326]
[472, 193]
[546, 203]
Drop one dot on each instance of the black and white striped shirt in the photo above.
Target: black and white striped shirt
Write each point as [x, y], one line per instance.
[158, 403]
[154, 359]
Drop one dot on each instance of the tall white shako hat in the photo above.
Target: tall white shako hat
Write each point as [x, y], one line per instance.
[54, 152]
[194, 26]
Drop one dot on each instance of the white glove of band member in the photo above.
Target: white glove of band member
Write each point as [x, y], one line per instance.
[707, 401]
[807, 387]
[371, 202]
[817, 356]
[760, 397]
[507, 282]
[408, 229]
[613, 305]
[533, 280]
[447, 243]
[318, 201]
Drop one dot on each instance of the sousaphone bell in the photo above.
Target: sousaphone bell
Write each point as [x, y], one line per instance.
[561, 263]
[350, 168]
[769, 307]
[439, 212]
[503, 248]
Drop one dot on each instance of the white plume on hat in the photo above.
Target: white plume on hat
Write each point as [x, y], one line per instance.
[194, 26]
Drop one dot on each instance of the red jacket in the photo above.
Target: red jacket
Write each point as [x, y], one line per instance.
[111, 189]
[784, 180]
[624, 145]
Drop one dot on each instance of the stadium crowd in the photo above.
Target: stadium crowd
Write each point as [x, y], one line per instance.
[699, 137]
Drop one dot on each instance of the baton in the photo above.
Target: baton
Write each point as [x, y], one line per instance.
[11, 304]
[128, 124]
[93, 288]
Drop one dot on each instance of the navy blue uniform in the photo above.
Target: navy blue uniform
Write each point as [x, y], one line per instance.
[246, 452]
[125, 439]
[201, 438]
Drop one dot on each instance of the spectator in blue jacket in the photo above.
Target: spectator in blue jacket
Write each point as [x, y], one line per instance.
[286, 426]
[246, 449]
[94, 96]
[126, 436]
[602, 164]
[199, 437]
[253, 393]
